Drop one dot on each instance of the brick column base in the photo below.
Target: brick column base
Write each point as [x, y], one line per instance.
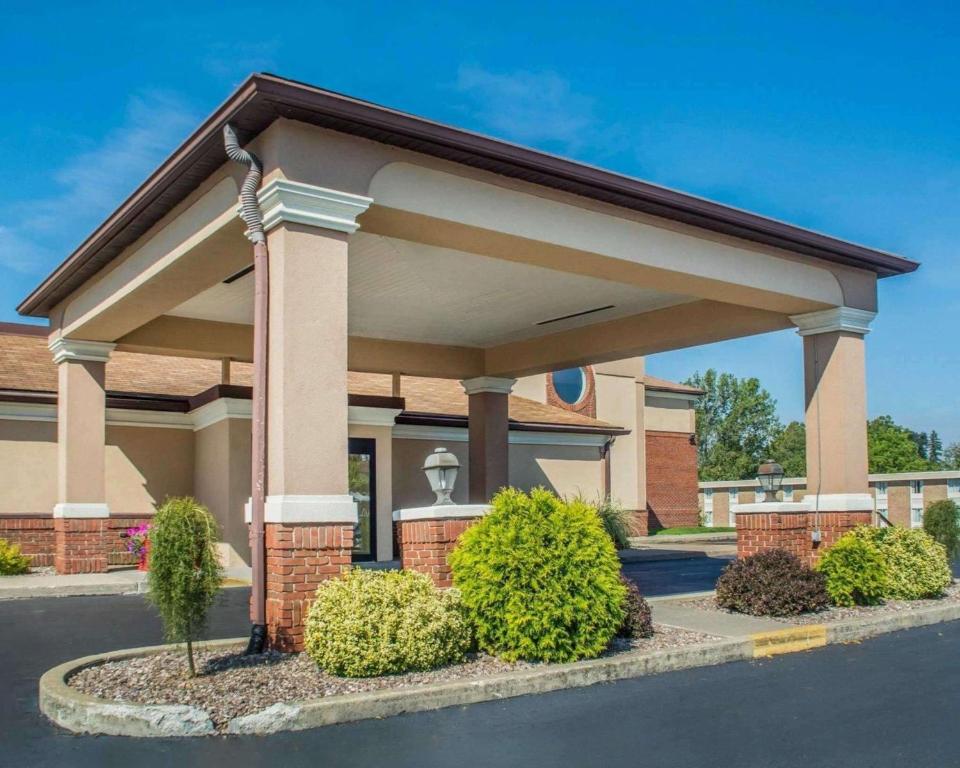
[299, 557]
[81, 545]
[425, 545]
[792, 531]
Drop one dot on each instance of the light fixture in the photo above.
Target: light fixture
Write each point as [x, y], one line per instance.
[770, 477]
[441, 469]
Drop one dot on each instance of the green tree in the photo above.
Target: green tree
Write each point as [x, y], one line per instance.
[789, 449]
[892, 448]
[935, 448]
[922, 441]
[736, 423]
[185, 573]
[951, 457]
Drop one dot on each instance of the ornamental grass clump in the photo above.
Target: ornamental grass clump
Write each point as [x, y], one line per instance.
[855, 570]
[941, 519]
[12, 562]
[540, 579]
[185, 573]
[916, 565]
[615, 520]
[369, 623]
[771, 583]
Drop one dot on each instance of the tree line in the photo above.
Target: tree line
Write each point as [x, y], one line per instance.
[737, 428]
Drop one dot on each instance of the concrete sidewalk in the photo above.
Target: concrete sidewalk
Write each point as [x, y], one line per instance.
[120, 581]
[676, 613]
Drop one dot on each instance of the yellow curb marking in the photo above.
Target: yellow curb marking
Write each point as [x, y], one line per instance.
[788, 640]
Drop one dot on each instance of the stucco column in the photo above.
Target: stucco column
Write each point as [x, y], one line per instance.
[81, 512]
[489, 431]
[836, 399]
[309, 514]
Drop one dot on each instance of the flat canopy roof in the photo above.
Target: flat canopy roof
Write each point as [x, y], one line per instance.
[263, 98]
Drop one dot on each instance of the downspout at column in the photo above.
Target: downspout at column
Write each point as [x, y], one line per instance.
[253, 218]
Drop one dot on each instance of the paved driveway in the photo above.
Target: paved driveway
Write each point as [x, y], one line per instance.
[673, 577]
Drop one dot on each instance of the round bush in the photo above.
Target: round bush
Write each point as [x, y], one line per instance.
[637, 619]
[771, 583]
[941, 519]
[12, 562]
[540, 579]
[916, 565]
[856, 571]
[368, 623]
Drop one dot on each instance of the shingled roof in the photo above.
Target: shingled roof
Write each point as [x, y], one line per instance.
[26, 365]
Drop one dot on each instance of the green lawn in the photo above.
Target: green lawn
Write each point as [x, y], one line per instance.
[686, 529]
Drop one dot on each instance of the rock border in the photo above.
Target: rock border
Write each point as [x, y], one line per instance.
[82, 713]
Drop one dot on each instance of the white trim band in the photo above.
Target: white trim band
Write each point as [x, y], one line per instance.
[217, 410]
[74, 350]
[493, 384]
[441, 512]
[306, 509]
[784, 507]
[840, 502]
[73, 510]
[846, 319]
[283, 200]
[366, 416]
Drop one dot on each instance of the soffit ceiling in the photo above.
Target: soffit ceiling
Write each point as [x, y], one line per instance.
[407, 291]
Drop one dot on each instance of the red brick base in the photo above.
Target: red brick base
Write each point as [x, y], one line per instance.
[82, 544]
[426, 544]
[299, 557]
[792, 531]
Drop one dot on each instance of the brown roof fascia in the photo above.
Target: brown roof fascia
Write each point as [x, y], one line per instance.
[441, 420]
[262, 98]
[124, 400]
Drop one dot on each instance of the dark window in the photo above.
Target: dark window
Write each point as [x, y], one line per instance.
[570, 385]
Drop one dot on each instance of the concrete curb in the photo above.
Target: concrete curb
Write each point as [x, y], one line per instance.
[81, 713]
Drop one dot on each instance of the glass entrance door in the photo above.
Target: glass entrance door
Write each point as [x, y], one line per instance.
[362, 467]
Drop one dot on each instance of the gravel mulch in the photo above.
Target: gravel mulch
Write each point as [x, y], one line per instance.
[832, 614]
[232, 685]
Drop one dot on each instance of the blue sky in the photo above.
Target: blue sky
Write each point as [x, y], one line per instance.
[842, 117]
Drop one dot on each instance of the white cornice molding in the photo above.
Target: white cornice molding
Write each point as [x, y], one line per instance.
[293, 201]
[846, 319]
[306, 509]
[366, 416]
[488, 384]
[441, 512]
[70, 350]
[78, 511]
[664, 395]
[217, 410]
[115, 417]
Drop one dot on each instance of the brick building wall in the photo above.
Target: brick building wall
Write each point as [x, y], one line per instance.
[36, 536]
[671, 480]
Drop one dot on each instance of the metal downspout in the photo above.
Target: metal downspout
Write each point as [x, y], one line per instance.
[253, 218]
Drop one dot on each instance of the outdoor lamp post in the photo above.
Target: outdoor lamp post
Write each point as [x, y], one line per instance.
[770, 477]
[441, 469]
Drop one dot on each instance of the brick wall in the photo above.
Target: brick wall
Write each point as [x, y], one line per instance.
[299, 557]
[671, 480]
[759, 531]
[426, 544]
[36, 536]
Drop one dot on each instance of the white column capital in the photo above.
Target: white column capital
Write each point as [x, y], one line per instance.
[70, 350]
[282, 200]
[488, 384]
[846, 319]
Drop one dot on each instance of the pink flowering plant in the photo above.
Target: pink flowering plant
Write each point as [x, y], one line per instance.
[137, 539]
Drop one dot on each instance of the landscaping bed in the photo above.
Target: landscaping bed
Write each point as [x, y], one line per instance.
[232, 685]
[836, 613]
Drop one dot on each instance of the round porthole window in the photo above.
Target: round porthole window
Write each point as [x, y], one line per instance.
[570, 385]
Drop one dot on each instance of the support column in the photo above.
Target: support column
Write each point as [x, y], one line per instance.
[82, 544]
[489, 431]
[836, 399]
[309, 514]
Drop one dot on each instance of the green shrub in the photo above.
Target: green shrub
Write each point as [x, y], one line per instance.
[916, 565]
[941, 519]
[771, 583]
[540, 579]
[615, 520]
[11, 561]
[637, 619]
[856, 571]
[184, 574]
[369, 623]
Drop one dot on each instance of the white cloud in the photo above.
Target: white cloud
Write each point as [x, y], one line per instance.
[529, 107]
[37, 233]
